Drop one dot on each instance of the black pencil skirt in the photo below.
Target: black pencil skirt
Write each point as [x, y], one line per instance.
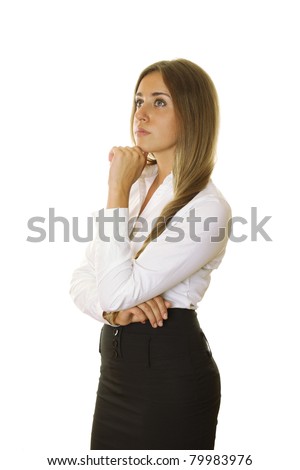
[159, 388]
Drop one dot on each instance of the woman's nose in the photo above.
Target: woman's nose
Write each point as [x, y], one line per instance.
[141, 114]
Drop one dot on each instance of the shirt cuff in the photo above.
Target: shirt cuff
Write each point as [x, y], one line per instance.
[112, 224]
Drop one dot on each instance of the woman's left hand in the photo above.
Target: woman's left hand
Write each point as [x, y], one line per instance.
[155, 310]
[127, 164]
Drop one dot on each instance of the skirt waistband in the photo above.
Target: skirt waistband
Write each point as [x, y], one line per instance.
[180, 320]
[139, 343]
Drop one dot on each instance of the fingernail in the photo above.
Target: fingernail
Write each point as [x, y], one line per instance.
[154, 325]
[160, 323]
[165, 315]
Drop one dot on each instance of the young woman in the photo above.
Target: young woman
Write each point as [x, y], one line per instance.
[165, 228]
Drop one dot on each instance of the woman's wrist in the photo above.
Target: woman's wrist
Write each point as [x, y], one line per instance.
[111, 317]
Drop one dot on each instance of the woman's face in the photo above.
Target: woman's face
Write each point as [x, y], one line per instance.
[155, 126]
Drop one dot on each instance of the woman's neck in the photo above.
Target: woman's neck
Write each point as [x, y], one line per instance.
[163, 171]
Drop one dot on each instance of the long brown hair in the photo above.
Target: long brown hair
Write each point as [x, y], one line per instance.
[197, 111]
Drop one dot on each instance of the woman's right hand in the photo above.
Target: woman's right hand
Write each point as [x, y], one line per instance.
[154, 310]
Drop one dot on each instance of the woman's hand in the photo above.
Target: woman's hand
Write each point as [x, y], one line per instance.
[154, 310]
[127, 164]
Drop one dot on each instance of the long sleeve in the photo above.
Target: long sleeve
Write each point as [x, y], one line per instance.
[181, 250]
[83, 288]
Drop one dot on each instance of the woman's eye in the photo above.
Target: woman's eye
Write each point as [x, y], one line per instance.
[138, 103]
[160, 103]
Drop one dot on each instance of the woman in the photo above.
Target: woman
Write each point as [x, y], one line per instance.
[164, 230]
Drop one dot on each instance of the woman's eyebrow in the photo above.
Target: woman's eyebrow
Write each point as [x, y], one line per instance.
[156, 93]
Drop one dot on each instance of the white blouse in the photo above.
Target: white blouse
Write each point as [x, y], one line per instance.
[177, 265]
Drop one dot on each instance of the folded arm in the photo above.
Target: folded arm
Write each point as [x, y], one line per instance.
[181, 250]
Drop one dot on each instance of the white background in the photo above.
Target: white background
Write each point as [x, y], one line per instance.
[68, 73]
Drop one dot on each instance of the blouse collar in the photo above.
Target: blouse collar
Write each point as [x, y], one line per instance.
[151, 171]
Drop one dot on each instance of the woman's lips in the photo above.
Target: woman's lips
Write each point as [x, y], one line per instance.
[141, 132]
